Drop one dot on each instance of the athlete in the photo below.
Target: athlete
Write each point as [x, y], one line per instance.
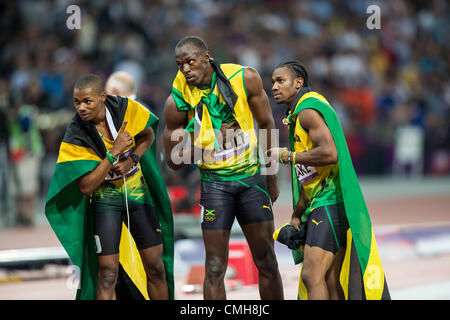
[116, 133]
[326, 196]
[216, 105]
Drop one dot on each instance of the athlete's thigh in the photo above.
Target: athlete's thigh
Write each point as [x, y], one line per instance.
[325, 235]
[107, 217]
[253, 204]
[317, 261]
[216, 248]
[151, 256]
[259, 238]
[217, 205]
[145, 226]
[333, 276]
[326, 228]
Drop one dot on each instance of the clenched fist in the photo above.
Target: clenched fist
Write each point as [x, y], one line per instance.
[123, 141]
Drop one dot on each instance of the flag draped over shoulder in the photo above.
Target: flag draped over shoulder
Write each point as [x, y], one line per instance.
[68, 211]
[210, 109]
[362, 275]
[224, 101]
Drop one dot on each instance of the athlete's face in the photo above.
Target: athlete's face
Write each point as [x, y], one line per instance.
[285, 85]
[88, 102]
[194, 64]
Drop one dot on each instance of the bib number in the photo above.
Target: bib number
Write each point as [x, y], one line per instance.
[240, 144]
[305, 173]
[111, 176]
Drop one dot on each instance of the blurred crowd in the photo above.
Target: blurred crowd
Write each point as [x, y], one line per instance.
[389, 85]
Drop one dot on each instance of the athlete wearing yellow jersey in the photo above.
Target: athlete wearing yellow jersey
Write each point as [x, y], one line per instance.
[209, 99]
[320, 205]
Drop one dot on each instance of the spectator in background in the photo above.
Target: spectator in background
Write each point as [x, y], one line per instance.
[388, 67]
[120, 83]
[5, 202]
[26, 150]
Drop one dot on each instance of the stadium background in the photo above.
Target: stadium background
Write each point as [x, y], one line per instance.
[389, 86]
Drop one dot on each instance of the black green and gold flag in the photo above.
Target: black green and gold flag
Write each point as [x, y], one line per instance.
[224, 101]
[68, 211]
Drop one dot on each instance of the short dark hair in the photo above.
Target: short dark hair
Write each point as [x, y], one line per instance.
[298, 69]
[194, 40]
[90, 81]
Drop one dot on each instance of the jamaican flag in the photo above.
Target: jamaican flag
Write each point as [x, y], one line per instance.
[211, 109]
[362, 275]
[68, 211]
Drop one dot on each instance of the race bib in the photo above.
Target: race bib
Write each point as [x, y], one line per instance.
[111, 176]
[241, 142]
[305, 173]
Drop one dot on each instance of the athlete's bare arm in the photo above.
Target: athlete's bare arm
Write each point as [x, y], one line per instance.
[299, 210]
[260, 107]
[324, 152]
[89, 182]
[174, 133]
[144, 141]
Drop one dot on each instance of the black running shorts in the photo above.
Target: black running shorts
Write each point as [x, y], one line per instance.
[246, 199]
[327, 227]
[109, 211]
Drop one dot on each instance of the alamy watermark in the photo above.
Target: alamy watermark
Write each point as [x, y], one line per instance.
[232, 146]
[73, 21]
[374, 20]
[73, 277]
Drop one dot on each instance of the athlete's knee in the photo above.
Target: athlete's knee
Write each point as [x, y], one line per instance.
[107, 276]
[311, 277]
[215, 269]
[267, 265]
[157, 271]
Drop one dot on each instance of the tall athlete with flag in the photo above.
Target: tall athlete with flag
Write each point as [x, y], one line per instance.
[330, 228]
[211, 101]
[107, 197]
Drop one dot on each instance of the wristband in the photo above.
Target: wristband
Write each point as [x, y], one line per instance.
[281, 155]
[289, 157]
[135, 158]
[111, 158]
[293, 158]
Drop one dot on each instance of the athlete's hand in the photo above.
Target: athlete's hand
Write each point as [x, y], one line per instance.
[295, 222]
[272, 186]
[123, 166]
[228, 132]
[123, 141]
[274, 154]
[208, 156]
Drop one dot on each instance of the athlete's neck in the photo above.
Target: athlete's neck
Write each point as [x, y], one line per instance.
[206, 81]
[290, 103]
[101, 116]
